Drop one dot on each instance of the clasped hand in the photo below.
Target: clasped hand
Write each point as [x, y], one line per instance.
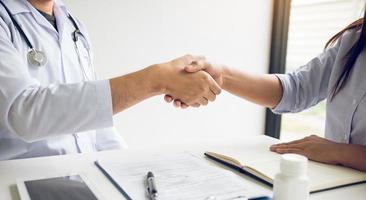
[193, 82]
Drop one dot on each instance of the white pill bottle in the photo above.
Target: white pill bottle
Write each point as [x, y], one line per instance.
[292, 182]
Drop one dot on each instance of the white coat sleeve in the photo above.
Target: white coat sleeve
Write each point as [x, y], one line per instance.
[34, 112]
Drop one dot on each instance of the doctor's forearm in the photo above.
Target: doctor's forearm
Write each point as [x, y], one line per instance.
[263, 89]
[133, 88]
[42, 112]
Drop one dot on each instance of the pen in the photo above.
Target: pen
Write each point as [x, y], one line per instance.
[261, 198]
[152, 191]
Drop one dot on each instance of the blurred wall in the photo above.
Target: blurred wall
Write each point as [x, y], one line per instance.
[128, 35]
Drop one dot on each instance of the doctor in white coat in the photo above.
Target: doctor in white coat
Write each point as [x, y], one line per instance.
[50, 100]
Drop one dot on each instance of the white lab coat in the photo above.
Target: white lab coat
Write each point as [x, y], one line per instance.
[49, 110]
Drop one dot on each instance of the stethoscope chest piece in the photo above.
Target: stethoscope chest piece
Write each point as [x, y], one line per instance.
[34, 57]
[37, 58]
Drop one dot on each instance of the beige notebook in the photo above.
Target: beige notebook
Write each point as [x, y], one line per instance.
[257, 161]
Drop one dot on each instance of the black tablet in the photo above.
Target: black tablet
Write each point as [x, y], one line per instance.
[70, 187]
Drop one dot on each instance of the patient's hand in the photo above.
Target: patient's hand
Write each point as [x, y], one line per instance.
[313, 147]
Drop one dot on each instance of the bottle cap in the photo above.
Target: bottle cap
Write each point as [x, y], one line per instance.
[293, 164]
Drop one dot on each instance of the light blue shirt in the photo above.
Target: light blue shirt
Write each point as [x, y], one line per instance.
[312, 83]
[53, 109]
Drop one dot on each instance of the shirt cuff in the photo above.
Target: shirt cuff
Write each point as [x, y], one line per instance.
[104, 107]
[285, 104]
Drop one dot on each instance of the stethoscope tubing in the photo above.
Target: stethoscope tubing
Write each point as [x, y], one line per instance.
[17, 26]
[85, 74]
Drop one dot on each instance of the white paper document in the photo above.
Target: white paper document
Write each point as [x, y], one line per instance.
[178, 177]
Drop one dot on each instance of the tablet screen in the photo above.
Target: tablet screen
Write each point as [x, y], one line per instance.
[59, 188]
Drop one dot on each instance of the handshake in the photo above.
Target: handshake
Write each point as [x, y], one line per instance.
[191, 81]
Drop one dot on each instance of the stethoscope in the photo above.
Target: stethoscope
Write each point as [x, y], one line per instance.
[38, 58]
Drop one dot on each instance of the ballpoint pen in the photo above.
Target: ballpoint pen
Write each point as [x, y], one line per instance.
[152, 191]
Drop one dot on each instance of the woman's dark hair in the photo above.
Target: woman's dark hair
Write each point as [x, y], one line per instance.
[351, 56]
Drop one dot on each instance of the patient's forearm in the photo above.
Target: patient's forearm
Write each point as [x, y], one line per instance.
[352, 155]
[263, 89]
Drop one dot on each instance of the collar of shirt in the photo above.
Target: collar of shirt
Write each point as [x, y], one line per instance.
[23, 6]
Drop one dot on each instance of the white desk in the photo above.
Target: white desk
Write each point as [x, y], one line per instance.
[12, 170]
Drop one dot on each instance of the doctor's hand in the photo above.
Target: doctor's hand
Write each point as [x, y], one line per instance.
[202, 64]
[313, 147]
[195, 87]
